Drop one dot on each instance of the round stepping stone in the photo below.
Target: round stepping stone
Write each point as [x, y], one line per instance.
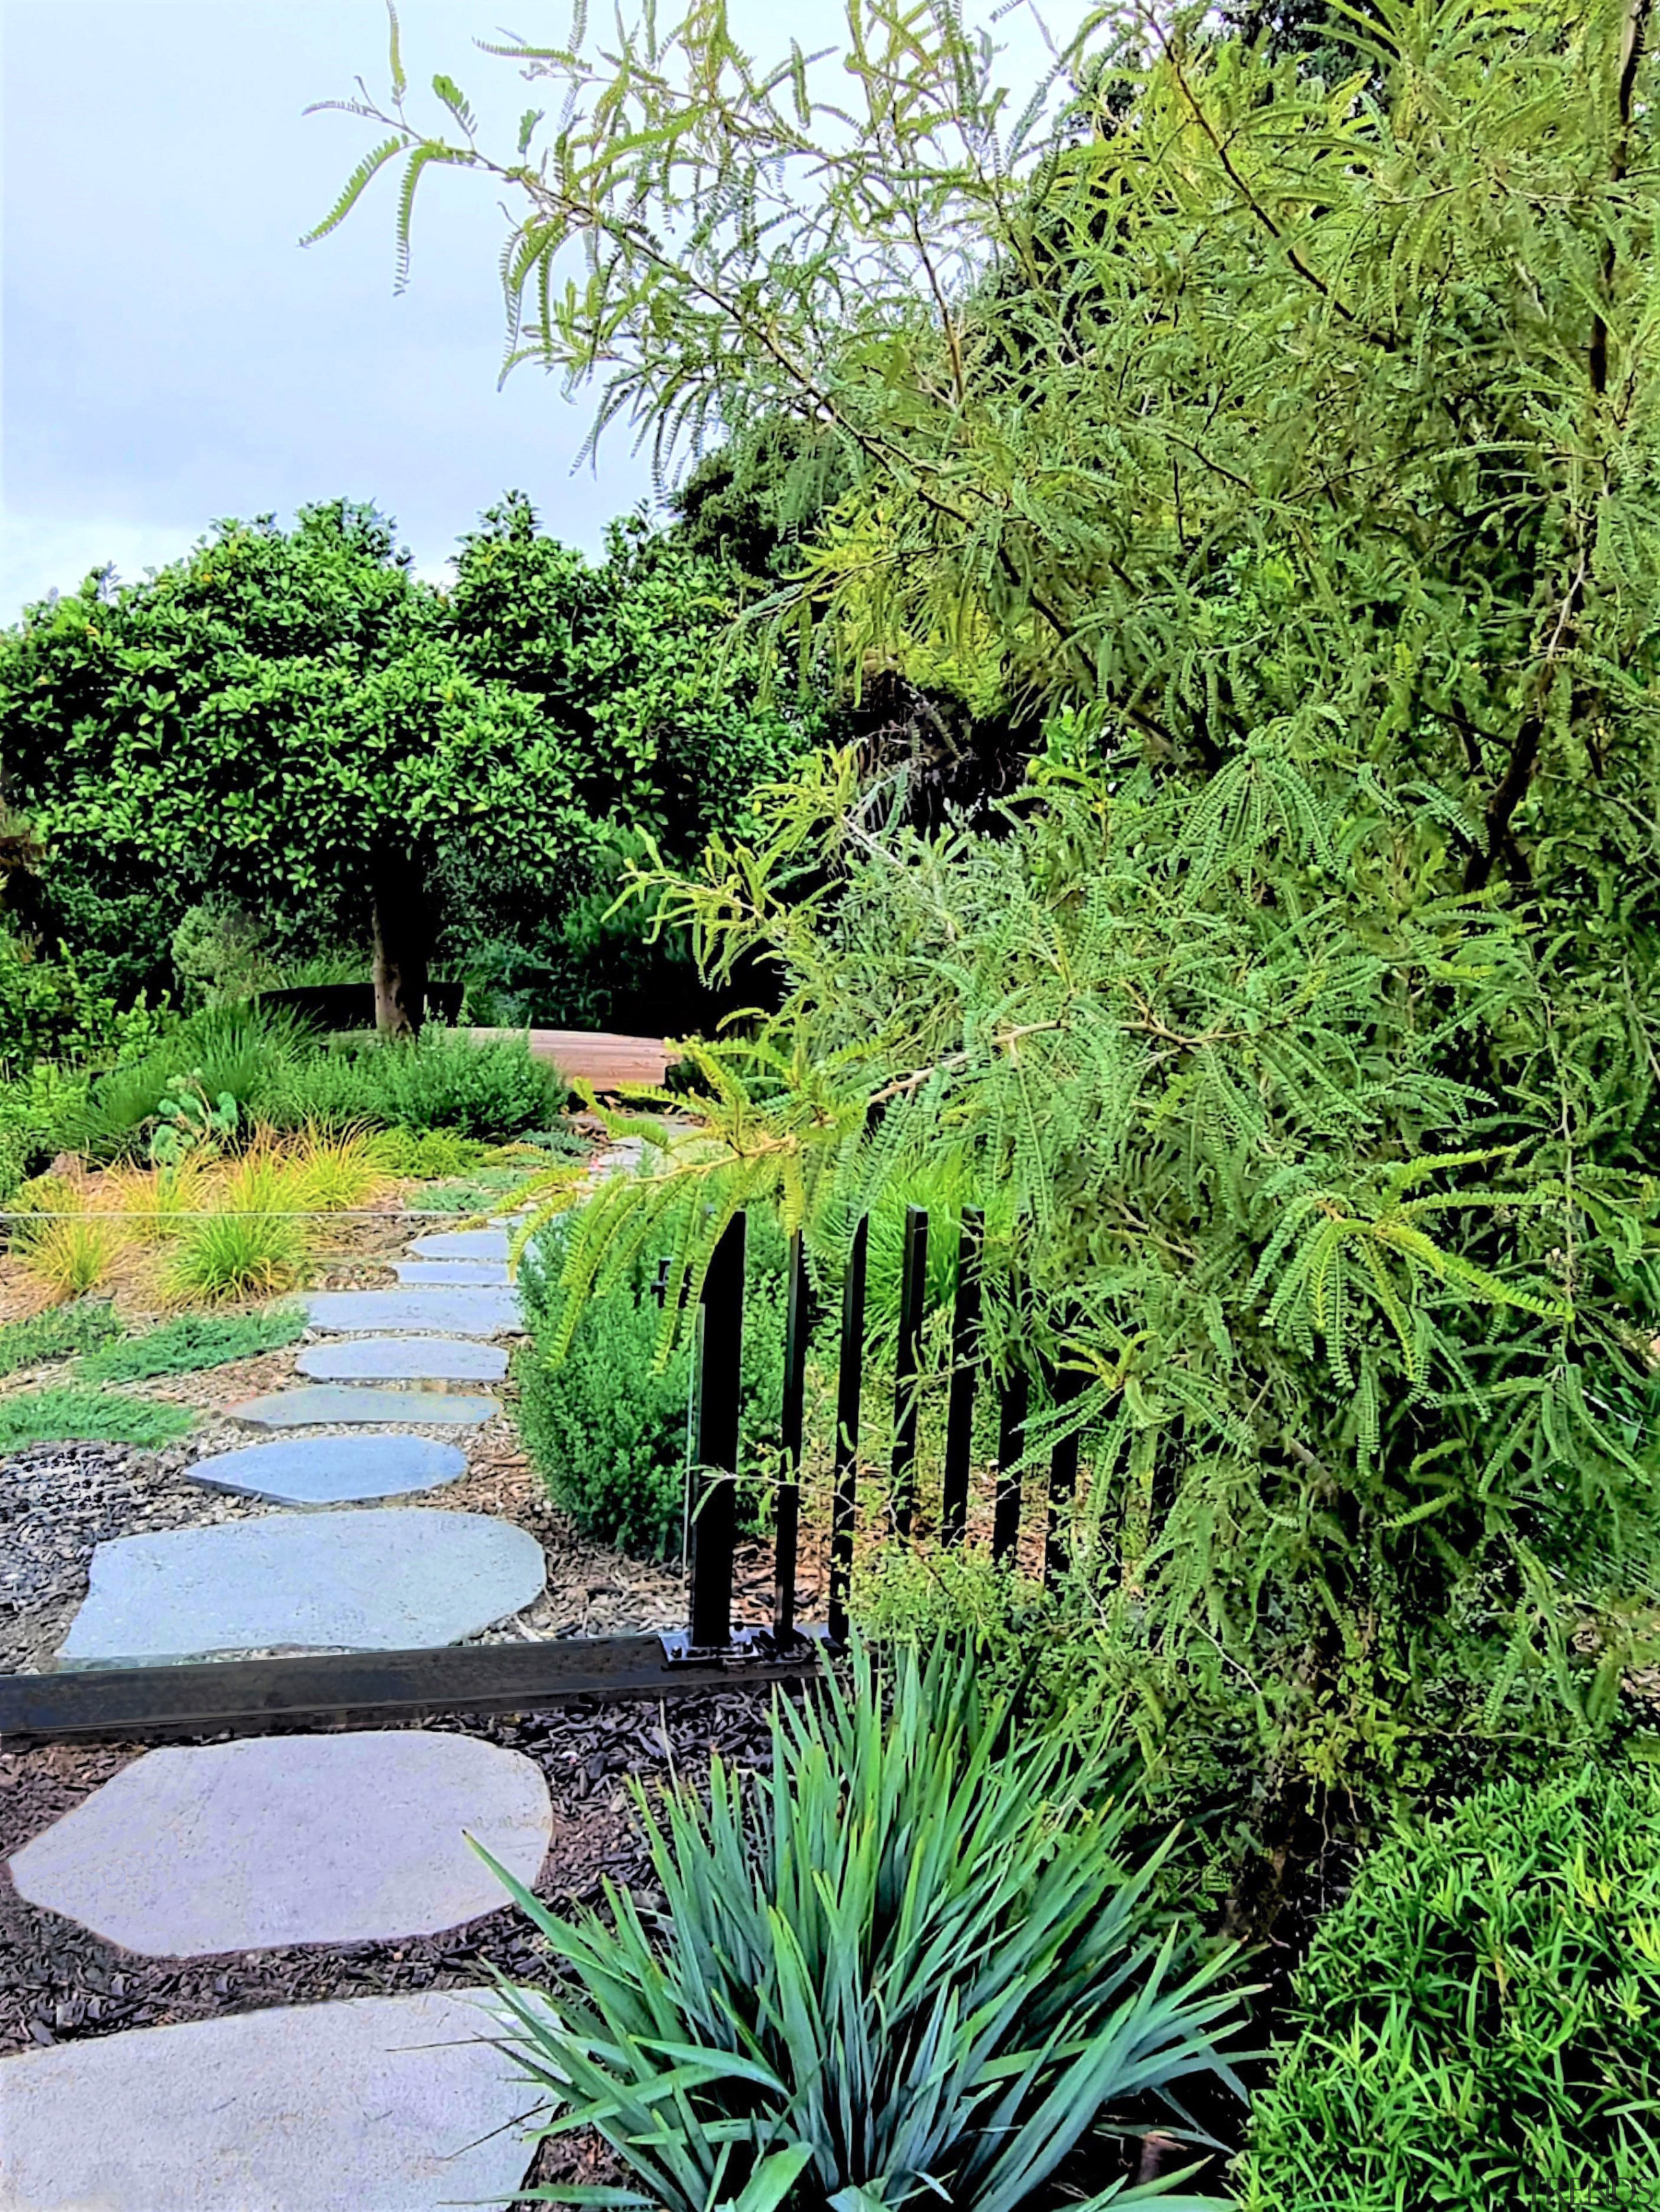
[462, 1311]
[444, 1274]
[404, 1360]
[326, 1404]
[401, 1578]
[400, 2103]
[332, 1470]
[292, 1840]
[463, 1244]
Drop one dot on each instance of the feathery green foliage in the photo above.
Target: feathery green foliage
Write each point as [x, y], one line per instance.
[1286, 446]
[917, 1958]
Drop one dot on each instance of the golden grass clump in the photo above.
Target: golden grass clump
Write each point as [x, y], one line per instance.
[253, 1245]
[335, 1170]
[154, 1203]
[67, 1256]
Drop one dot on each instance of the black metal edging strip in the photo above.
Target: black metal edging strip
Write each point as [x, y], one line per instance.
[148, 1704]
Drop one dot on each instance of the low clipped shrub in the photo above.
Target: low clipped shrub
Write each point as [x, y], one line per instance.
[1479, 2023]
[69, 1413]
[920, 1963]
[607, 1427]
[190, 1342]
[60, 1333]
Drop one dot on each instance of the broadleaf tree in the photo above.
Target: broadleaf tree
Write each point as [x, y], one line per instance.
[293, 721]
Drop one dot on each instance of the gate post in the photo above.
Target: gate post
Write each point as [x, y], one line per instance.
[712, 1483]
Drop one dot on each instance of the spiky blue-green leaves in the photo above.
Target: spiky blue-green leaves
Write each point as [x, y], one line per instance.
[921, 1958]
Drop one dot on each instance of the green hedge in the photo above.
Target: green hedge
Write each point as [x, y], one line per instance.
[607, 1429]
[1479, 2024]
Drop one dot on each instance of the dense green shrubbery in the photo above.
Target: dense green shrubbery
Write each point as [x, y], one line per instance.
[607, 1428]
[441, 1085]
[440, 1080]
[237, 1051]
[1480, 2023]
[922, 1961]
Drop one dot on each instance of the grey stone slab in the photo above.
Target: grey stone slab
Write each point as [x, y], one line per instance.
[463, 1311]
[331, 1470]
[462, 1244]
[404, 1360]
[327, 1404]
[387, 1579]
[292, 1840]
[374, 2104]
[445, 1274]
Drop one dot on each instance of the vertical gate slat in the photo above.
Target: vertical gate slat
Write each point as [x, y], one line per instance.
[797, 1325]
[964, 1365]
[1011, 1443]
[849, 1381]
[908, 1361]
[1064, 1385]
[712, 1536]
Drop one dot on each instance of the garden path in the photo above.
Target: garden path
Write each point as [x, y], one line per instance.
[358, 2104]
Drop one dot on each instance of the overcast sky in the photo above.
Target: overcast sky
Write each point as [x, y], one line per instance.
[171, 356]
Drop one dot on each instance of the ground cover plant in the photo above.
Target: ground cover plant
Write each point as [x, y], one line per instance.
[68, 1411]
[923, 1956]
[1477, 2023]
[59, 1333]
[188, 1343]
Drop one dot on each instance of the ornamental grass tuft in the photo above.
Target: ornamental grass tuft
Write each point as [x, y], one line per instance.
[920, 1961]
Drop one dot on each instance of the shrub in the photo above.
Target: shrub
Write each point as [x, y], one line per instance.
[58, 1334]
[68, 1412]
[236, 1051]
[220, 952]
[190, 1342]
[35, 1115]
[607, 1426]
[1479, 2023]
[916, 1963]
[440, 1080]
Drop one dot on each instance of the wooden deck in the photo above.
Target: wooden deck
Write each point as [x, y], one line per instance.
[599, 1056]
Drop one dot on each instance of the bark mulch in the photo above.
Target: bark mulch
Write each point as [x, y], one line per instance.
[60, 1983]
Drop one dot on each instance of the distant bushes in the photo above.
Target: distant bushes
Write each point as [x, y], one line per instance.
[279, 1074]
[440, 1080]
[607, 1428]
[1479, 2023]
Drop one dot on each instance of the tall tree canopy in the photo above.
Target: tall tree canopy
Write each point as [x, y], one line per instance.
[292, 719]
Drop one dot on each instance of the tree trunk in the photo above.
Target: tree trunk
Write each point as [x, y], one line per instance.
[402, 946]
